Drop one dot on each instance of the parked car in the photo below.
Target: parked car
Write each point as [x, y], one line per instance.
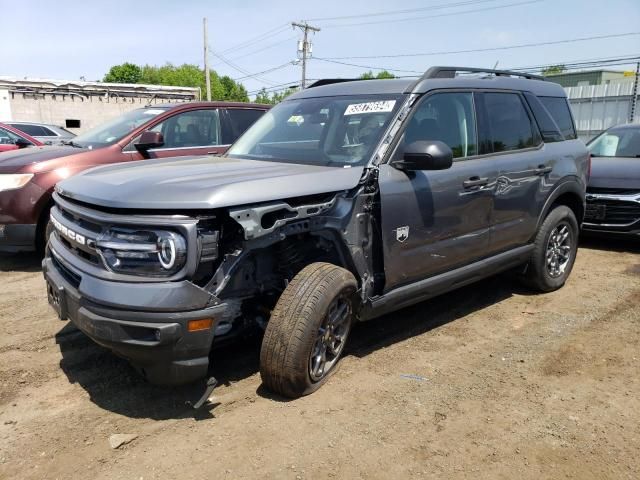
[344, 202]
[613, 193]
[12, 139]
[27, 177]
[47, 134]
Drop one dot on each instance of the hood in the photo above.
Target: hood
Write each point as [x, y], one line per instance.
[203, 183]
[14, 160]
[615, 172]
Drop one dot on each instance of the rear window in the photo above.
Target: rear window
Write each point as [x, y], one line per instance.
[509, 123]
[559, 110]
[33, 130]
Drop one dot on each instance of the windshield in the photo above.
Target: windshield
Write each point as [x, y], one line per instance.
[331, 131]
[112, 131]
[622, 142]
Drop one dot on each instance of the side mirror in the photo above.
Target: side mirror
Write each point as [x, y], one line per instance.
[149, 140]
[426, 155]
[22, 143]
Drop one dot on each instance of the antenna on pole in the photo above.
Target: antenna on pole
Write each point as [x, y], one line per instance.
[304, 47]
[207, 74]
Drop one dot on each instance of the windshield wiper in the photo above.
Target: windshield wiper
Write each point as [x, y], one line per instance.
[71, 143]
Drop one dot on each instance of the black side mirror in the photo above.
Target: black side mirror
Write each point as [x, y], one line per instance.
[426, 155]
[149, 140]
[22, 143]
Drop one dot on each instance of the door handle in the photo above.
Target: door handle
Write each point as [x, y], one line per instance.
[543, 170]
[475, 181]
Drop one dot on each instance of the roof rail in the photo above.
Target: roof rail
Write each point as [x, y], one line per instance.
[329, 81]
[450, 72]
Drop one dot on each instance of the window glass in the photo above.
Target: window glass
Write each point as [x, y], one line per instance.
[241, 119]
[449, 118]
[621, 142]
[33, 130]
[509, 124]
[330, 131]
[196, 128]
[547, 125]
[559, 110]
[47, 132]
[7, 137]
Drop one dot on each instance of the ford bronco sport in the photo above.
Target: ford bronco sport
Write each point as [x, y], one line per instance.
[348, 200]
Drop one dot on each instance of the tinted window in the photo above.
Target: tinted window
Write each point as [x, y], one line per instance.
[559, 110]
[548, 127]
[509, 124]
[196, 128]
[48, 132]
[240, 120]
[33, 130]
[449, 118]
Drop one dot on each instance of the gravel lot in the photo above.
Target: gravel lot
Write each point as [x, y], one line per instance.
[486, 382]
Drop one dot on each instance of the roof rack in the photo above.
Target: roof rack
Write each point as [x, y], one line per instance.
[329, 81]
[450, 72]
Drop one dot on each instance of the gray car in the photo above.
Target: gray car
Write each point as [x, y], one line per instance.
[47, 134]
[613, 193]
[346, 201]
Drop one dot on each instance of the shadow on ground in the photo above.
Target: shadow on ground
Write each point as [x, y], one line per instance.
[115, 386]
[20, 262]
[609, 243]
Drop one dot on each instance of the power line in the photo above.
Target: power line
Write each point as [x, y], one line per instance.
[492, 49]
[399, 12]
[258, 38]
[476, 10]
[278, 87]
[366, 66]
[239, 69]
[260, 49]
[265, 71]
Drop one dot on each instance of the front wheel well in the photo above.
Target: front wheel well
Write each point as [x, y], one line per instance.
[41, 227]
[571, 200]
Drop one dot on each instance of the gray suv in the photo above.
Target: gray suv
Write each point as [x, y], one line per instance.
[348, 200]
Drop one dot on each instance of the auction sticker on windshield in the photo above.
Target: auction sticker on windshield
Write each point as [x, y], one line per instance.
[370, 107]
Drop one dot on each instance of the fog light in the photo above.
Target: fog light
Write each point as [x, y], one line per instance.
[197, 325]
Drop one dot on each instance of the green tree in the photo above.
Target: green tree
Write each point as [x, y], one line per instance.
[554, 70]
[262, 96]
[125, 73]
[380, 75]
[185, 75]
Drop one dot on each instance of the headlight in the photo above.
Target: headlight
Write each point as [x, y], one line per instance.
[152, 253]
[14, 181]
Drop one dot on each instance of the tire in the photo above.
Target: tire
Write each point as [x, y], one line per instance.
[558, 239]
[293, 347]
[45, 227]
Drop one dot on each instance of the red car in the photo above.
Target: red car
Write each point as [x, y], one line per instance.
[27, 176]
[12, 139]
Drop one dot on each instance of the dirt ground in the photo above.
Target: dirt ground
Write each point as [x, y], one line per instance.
[489, 381]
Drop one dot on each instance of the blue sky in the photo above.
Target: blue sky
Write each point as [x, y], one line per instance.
[82, 38]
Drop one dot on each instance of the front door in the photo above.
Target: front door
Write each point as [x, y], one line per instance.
[435, 221]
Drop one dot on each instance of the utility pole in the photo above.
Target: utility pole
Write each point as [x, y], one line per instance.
[207, 75]
[305, 48]
[634, 97]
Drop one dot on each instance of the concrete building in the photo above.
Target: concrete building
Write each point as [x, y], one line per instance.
[79, 106]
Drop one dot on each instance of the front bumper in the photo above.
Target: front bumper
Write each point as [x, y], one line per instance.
[17, 237]
[135, 321]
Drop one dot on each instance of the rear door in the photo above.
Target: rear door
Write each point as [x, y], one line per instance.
[522, 165]
[191, 132]
[435, 221]
[235, 121]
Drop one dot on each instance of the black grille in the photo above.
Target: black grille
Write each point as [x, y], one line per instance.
[72, 278]
[93, 227]
[616, 212]
[614, 191]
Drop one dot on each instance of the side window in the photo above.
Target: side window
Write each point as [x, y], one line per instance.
[33, 130]
[48, 132]
[559, 110]
[510, 127]
[240, 119]
[547, 125]
[196, 128]
[449, 118]
[7, 137]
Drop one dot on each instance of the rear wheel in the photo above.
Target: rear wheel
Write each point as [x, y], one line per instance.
[308, 330]
[556, 246]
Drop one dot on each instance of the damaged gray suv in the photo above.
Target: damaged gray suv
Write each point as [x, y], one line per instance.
[348, 200]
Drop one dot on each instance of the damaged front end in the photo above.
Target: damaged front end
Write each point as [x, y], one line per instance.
[158, 288]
